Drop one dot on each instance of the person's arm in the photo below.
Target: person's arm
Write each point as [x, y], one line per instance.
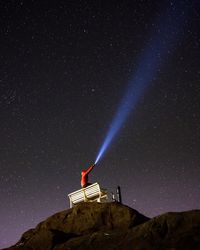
[89, 169]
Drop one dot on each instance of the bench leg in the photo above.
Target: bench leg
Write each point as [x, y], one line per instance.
[84, 194]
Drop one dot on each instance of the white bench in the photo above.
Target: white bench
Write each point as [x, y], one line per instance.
[89, 194]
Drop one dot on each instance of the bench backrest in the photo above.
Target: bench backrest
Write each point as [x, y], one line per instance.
[91, 191]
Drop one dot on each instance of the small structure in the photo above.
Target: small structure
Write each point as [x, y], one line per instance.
[91, 193]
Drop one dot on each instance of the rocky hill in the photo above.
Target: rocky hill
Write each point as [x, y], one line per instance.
[113, 226]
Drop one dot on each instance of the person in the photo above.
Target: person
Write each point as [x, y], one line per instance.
[84, 176]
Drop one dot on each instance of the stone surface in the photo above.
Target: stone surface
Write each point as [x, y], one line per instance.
[113, 226]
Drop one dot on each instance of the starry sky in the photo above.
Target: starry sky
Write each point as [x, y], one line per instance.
[64, 68]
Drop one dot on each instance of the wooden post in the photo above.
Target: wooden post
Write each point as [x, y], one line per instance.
[119, 196]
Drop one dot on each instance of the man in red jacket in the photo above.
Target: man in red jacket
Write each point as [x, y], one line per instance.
[84, 176]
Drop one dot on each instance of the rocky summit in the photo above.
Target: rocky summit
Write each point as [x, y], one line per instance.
[113, 226]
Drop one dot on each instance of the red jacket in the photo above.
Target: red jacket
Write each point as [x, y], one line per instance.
[84, 176]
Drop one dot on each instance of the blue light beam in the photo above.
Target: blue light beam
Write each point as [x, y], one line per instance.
[169, 29]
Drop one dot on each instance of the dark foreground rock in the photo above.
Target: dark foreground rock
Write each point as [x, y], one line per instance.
[113, 226]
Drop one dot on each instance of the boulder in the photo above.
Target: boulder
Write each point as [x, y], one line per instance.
[112, 226]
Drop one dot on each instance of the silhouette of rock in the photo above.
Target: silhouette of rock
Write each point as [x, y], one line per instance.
[113, 226]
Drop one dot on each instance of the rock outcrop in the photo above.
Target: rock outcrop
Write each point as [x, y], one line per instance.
[113, 226]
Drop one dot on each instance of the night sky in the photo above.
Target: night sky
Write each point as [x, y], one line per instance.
[64, 69]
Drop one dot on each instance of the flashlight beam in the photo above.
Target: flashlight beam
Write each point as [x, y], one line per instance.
[169, 30]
